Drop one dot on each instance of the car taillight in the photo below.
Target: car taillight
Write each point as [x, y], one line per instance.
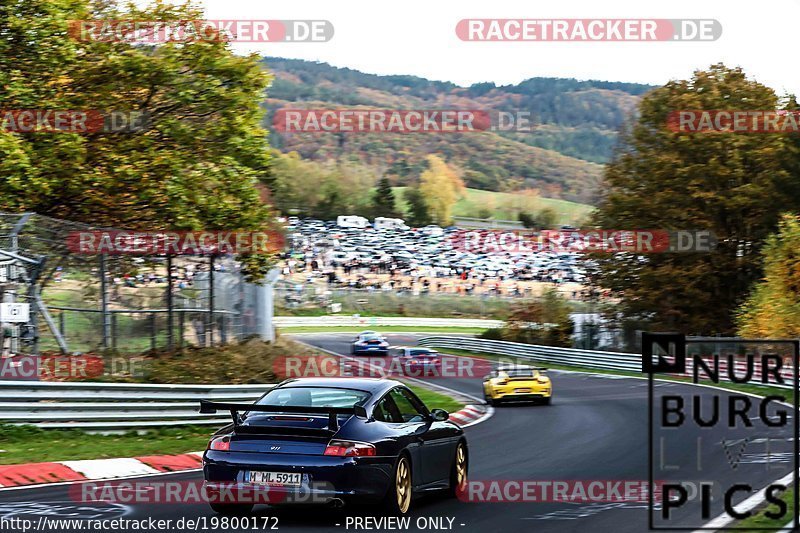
[343, 448]
[221, 444]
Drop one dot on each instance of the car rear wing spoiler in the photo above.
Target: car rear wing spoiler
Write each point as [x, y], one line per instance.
[207, 407]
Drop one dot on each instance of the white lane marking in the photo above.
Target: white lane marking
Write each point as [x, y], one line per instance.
[63, 509]
[586, 511]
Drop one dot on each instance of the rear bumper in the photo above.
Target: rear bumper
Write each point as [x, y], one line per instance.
[324, 478]
[364, 351]
[521, 397]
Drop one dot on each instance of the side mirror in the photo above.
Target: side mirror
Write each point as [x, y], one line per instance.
[440, 415]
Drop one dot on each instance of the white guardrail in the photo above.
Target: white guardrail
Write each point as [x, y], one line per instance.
[630, 362]
[547, 354]
[366, 321]
[115, 406]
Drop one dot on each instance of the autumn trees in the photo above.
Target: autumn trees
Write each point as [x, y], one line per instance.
[735, 185]
[773, 308]
[196, 165]
[433, 198]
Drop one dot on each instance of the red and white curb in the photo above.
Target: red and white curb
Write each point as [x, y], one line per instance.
[469, 415]
[71, 471]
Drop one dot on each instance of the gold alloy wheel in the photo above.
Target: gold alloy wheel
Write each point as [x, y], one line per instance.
[461, 467]
[403, 485]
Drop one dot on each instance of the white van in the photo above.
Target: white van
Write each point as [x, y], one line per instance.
[432, 231]
[389, 223]
[351, 221]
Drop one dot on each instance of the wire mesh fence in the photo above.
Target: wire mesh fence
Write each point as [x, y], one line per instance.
[84, 302]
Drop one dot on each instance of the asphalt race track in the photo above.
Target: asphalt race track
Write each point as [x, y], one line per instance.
[596, 429]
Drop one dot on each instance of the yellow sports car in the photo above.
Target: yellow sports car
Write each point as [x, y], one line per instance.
[517, 383]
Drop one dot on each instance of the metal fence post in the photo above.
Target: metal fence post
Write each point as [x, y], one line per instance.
[114, 332]
[170, 318]
[210, 328]
[104, 303]
[152, 332]
[62, 324]
[181, 326]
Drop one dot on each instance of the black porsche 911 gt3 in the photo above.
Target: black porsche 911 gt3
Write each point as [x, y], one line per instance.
[333, 441]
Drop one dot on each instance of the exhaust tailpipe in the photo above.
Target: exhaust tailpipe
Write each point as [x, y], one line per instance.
[336, 503]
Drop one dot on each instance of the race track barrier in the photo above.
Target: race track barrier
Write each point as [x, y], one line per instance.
[366, 322]
[595, 359]
[115, 406]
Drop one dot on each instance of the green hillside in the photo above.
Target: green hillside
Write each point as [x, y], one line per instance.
[507, 206]
[576, 123]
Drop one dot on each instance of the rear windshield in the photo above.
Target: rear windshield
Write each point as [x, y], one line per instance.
[422, 352]
[314, 397]
[371, 337]
[519, 373]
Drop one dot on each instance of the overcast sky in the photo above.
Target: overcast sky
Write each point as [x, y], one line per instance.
[418, 37]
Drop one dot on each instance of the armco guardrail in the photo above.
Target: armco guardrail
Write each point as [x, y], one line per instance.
[364, 322]
[115, 406]
[550, 354]
[630, 362]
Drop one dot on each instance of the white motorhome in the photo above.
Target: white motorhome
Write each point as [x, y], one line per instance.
[389, 223]
[351, 221]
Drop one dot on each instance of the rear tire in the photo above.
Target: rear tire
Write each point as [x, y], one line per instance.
[400, 494]
[489, 400]
[231, 509]
[459, 471]
[548, 400]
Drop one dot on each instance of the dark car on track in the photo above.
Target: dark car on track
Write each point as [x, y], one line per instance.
[371, 343]
[336, 441]
[419, 361]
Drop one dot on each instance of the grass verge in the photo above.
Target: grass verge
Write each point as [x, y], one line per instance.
[26, 444]
[760, 520]
[436, 400]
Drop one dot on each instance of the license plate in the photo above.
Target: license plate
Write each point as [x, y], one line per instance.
[276, 478]
[521, 390]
